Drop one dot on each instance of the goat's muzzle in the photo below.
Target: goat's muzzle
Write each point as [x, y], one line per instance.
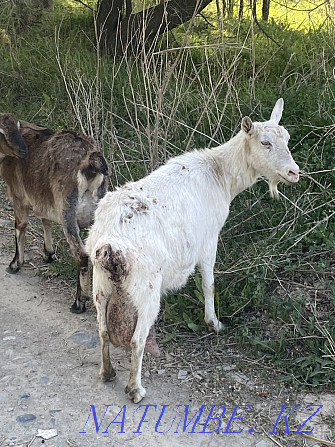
[23, 152]
[290, 175]
[293, 175]
[17, 144]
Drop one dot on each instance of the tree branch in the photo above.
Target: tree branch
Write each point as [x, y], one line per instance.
[85, 4]
[145, 26]
[254, 14]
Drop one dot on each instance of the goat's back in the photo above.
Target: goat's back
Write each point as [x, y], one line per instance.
[163, 220]
[58, 155]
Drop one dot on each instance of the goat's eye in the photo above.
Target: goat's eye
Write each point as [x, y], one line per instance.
[266, 143]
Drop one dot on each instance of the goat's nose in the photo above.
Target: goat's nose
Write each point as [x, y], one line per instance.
[293, 174]
[23, 151]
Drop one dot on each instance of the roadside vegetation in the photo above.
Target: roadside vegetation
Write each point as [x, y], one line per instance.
[275, 266]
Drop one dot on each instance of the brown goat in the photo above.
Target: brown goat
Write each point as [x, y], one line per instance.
[61, 176]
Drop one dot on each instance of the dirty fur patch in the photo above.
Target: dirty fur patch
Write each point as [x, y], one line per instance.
[121, 313]
[114, 262]
[121, 323]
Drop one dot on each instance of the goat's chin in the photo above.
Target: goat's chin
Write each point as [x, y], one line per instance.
[273, 189]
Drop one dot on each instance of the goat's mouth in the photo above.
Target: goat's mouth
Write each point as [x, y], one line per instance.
[22, 152]
[289, 179]
[23, 155]
[20, 155]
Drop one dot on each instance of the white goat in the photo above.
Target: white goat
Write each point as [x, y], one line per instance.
[149, 235]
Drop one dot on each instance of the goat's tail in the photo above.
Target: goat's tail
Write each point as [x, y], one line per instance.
[114, 261]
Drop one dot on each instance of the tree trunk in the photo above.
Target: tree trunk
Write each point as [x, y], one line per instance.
[254, 9]
[230, 8]
[129, 8]
[265, 10]
[108, 18]
[224, 7]
[240, 10]
[131, 33]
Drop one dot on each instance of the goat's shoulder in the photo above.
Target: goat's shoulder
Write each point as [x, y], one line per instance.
[70, 140]
[8, 170]
[69, 148]
[35, 137]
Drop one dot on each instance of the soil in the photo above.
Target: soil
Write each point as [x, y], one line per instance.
[50, 359]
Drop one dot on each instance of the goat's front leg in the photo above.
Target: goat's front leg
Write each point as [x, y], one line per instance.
[207, 275]
[83, 283]
[21, 221]
[49, 252]
[72, 234]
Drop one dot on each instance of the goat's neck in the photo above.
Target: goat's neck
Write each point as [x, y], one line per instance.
[232, 166]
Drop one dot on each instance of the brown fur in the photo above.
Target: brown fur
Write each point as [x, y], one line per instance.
[40, 167]
[50, 172]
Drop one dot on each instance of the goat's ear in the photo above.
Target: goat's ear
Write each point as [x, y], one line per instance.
[29, 128]
[25, 124]
[277, 111]
[247, 125]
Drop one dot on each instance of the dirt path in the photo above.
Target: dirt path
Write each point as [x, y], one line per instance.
[49, 362]
[49, 377]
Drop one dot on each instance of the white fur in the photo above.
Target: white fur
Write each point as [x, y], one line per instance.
[168, 223]
[87, 198]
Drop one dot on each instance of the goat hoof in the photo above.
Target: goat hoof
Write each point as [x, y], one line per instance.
[135, 394]
[107, 376]
[10, 269]
[216, 326]
[78, 307]
[49, 257]
[75, 309]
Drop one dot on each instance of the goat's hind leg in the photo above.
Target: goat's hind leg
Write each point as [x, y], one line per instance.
[21, 221]
[49, 252]
[107, 373]
[146, 318]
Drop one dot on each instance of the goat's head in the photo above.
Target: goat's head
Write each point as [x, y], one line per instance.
[269, 152]
[11, 142]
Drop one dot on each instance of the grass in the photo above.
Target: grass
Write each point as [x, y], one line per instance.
[275, 263]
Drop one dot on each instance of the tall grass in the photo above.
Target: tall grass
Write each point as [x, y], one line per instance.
[275, 264]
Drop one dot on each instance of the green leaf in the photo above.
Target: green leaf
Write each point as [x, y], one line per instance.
[167, 337]
[199, 296]
[194, 327]
[198, 282]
